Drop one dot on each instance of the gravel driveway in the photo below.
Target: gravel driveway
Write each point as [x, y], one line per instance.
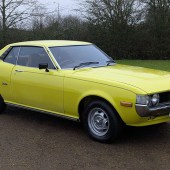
[34, 141]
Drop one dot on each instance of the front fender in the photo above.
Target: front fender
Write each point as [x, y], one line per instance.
[76, 90]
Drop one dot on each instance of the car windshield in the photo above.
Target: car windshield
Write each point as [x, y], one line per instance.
[72, 57]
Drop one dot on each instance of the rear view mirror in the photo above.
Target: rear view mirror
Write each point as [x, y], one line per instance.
[43, 66]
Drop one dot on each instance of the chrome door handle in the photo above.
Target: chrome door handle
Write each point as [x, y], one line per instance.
[4, 84]
[19, 71]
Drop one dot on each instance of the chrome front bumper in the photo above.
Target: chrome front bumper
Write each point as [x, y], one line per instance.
[145, 111]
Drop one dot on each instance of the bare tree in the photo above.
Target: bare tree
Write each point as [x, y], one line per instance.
[14, 12]
[120, 11]
[41, 15]
[158, 11]
[113, 20]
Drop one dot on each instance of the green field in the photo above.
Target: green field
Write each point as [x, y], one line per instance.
[154, 64]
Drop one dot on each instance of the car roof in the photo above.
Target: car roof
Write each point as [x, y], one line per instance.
[50, 43]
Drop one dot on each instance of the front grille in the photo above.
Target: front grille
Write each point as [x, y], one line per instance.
[165, 97]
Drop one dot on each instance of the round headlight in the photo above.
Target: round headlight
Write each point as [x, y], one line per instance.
[143, 100]
[155, 99]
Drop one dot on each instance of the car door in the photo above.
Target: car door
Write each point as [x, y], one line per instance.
[35, 88]
[6, 67]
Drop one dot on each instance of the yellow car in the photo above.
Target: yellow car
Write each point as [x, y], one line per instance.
[78, 81]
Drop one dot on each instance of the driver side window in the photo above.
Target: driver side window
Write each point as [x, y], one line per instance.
[33, 56]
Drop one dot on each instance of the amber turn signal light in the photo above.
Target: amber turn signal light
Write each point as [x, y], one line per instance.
[126, 104]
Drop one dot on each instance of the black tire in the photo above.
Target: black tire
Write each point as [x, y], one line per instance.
[101, 121]
[2, 105]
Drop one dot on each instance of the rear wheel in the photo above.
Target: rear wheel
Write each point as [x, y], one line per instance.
[2, 105]
[101, 122]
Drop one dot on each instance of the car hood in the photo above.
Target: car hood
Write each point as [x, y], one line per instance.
[148, 80]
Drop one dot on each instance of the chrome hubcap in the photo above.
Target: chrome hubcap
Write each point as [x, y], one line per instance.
[98, 121]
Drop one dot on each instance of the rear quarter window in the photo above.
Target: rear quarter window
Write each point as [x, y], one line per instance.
[12, 55]
[5, 53]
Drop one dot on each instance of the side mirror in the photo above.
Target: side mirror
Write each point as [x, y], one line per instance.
[44, 66]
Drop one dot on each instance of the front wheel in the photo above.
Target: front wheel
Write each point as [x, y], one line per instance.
[2, 105]
[101, 121]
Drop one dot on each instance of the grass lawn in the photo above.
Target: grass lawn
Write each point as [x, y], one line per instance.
[154, 64]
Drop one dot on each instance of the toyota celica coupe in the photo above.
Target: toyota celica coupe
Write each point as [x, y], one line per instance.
[78, 81]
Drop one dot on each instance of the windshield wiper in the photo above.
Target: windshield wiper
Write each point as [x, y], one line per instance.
[85, 64]
[110, 62]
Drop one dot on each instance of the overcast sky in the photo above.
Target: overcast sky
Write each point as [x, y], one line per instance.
[66, 6]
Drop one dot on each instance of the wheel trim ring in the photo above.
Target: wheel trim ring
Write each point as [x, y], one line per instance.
[98, 121]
